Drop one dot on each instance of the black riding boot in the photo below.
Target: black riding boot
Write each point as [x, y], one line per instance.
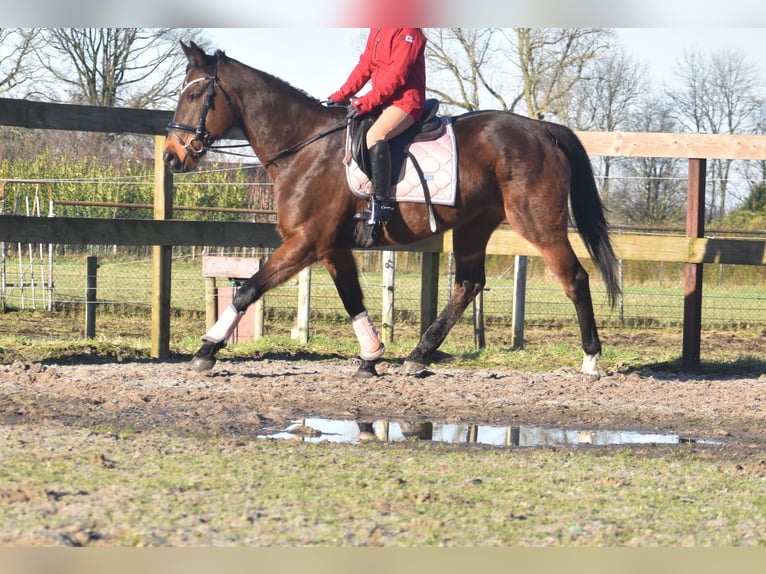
[381, 207]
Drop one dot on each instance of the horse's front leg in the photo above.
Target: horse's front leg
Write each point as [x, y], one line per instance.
[341, 266]
[215, 339]
[292, 256]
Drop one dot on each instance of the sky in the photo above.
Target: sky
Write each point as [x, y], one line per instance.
[314, 43]
[349, 13]
[311, 43]
[318, 60]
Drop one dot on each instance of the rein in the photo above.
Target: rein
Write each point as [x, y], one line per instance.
[303, 143]
[203, 140]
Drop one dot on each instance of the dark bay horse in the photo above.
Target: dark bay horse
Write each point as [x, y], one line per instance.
[510, 167]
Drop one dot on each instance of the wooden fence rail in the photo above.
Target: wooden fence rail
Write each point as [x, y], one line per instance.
[163, 232]
[89, 231]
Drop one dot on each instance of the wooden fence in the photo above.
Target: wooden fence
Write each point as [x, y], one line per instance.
[163, 232]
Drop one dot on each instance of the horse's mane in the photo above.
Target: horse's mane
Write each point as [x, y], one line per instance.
[267, 76]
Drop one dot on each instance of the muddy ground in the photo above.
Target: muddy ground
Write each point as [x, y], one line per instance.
[249, 397]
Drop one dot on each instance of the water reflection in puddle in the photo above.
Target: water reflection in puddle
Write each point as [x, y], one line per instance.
[347, 431]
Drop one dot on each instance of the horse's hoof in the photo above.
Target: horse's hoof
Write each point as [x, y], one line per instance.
[202, 364]
[415, 369]
[366, 370]
[590, 366]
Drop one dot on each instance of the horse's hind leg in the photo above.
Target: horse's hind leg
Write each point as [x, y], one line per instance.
[462, 294]
[469, 246]
[564, 263]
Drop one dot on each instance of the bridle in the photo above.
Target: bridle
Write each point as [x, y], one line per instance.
[203, 140]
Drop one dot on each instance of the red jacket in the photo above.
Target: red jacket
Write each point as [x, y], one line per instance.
[395, 62]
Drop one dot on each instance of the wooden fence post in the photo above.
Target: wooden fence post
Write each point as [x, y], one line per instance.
[211, 303]
[387, 296]
[161, 256]
[695, 227]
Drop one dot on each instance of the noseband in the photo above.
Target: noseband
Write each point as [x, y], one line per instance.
[203, 140]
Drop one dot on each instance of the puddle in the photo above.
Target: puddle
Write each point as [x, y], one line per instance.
[347, 431]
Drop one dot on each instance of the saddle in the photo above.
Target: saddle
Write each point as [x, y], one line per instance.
[423, 162]
[430, 127]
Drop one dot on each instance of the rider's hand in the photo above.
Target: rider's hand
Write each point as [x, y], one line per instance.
[354, 109]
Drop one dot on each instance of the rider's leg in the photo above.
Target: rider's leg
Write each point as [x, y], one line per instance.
[391, 122]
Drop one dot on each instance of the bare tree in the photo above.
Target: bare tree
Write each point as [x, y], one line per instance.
[15, 66]
[653, 190]
[719, 94]
[460, 59]
[606, 99]
[133, 67]
[552, 61]
[530, 71]
[611, 86]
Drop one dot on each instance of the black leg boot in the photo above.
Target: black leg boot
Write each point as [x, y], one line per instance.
[381, 207]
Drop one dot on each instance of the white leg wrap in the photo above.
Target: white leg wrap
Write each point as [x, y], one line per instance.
[224, 327]
[590, 364]
[371, 347]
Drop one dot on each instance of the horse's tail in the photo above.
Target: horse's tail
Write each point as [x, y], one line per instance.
[587, 209]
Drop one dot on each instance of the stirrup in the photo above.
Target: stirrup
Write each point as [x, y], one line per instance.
[365, 215]
[379, 211]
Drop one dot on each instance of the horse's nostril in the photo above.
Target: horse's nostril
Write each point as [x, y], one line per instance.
[171, 161]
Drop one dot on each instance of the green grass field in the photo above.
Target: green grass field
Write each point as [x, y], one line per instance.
[648, 334]
[733, 304]
[152, 489]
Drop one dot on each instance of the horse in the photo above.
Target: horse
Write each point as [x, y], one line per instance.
[510, 167]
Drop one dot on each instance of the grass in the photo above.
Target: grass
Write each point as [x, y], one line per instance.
[118, 487]
[37, 336]
[92, 488]
[735, 300]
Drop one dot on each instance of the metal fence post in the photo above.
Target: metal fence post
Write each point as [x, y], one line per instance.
[479, 339]
[519, 300]
[304, 305]
[429, 289]
[387, 296]
[91, 280]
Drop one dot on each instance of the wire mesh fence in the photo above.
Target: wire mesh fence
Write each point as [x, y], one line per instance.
[653, 293]
[54, 277]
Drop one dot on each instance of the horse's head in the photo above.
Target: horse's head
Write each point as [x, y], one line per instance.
[198, 121]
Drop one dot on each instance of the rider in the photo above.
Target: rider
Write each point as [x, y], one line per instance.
[394, 60]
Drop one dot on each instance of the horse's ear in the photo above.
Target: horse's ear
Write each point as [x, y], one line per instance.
[194, 54]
